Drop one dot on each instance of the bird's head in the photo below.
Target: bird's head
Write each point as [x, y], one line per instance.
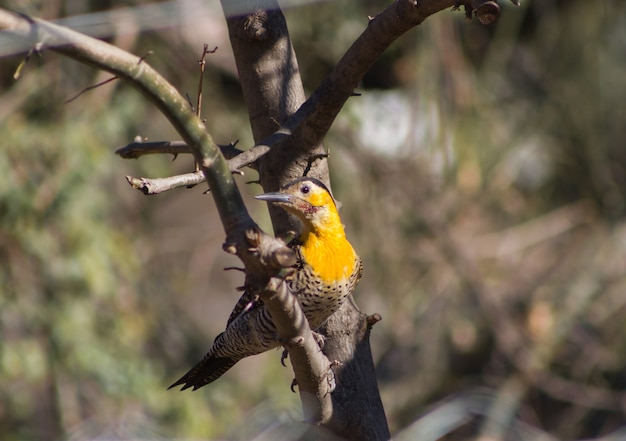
[308, 199]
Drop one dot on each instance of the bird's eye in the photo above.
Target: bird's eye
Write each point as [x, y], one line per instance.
[305, 189]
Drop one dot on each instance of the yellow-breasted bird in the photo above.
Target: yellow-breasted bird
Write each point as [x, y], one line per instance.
[327, 271]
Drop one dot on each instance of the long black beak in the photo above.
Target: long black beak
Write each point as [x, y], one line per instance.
[276, 197]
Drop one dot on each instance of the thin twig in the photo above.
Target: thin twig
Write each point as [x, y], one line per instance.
[34, 50]
[95, 86]
[188, 98]
[202, 63]
[144, 56]
[311, 160]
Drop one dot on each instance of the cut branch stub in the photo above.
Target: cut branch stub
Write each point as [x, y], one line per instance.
[269, 251]
[283, 257]
[487, 12]
[230, 248]
[373, 319]
[256, 26]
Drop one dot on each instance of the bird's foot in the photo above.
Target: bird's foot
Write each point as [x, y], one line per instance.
[294, 383]
[319, 339]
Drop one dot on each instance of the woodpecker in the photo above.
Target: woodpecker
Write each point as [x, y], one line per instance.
[327, 272]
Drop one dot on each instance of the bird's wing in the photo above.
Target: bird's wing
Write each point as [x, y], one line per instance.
[247, 302]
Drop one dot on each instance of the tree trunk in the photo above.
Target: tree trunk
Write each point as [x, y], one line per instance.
[273, 92]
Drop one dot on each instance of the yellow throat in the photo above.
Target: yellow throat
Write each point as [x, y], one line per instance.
[325, 247]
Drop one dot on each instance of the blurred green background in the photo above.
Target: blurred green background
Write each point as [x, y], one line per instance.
[482, 175]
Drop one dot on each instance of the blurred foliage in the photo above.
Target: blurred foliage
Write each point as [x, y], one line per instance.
[482, 181]
[489, 211]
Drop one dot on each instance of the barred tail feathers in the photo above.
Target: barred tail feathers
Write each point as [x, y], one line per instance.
[249, 334]
[209, 369]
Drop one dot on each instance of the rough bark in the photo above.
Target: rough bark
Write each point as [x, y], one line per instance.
[273, 92]
[358, 412]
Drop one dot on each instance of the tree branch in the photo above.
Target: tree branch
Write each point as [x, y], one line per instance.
[263, 256]
[273, 92]
[305, 125]
[306, 357]
[315, 117]
[309, 124]
[140, 75]
[311, 368]
[152, 186]
[137, 149]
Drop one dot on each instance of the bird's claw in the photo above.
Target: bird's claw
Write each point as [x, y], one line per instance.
[319, 339]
